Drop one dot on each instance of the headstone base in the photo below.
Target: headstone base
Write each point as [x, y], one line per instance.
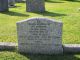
[40, 51]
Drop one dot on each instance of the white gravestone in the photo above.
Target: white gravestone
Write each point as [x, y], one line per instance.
[40, 35]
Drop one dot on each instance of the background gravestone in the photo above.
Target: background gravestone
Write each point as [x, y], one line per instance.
[40, 35]
[35, 5]
[18, 0]
[3, 5]
[11, 3]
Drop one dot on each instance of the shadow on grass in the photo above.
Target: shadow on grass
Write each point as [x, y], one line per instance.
[8, 49]
[22, 2]
[14, 6]
[54, 1]
[65, 56]
[51, 57]
[73, 1]
[46, 1]
[11, 13]
[46, 13]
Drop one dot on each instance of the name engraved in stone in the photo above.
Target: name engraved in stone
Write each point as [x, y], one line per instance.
[38, 23]
[38, 31]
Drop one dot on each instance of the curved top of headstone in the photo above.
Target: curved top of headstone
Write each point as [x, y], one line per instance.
[39, 18]
[40, 35]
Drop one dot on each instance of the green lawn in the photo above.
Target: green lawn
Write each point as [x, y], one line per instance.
[66, 11]
[16, 56]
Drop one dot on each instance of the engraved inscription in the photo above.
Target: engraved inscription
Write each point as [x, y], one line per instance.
[40, 35]
[39, 31]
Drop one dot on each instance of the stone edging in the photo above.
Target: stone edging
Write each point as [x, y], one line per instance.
[7, 46]
[67, 48]
[71, 48]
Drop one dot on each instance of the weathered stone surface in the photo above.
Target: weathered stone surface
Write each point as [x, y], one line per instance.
[71, 48]
[18, 0]
[35, 5]
[3, 5]
[40, 35]
[11, 3]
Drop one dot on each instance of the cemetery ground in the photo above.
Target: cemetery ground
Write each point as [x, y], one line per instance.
[66, 11]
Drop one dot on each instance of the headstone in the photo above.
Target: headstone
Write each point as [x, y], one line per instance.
[40, 35]
[3, 5]
[18, 0]
[35, 5]
[11, 3]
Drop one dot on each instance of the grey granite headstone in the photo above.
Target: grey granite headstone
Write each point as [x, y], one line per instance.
[11, 3]
[18, 0]
[35, 5]
[40, 35]
[3, 5]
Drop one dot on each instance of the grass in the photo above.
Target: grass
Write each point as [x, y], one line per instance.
[66, 11]
[6, 55]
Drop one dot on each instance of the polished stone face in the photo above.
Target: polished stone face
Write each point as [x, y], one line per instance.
[40, 35]
[35, 5]
[3, 5]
